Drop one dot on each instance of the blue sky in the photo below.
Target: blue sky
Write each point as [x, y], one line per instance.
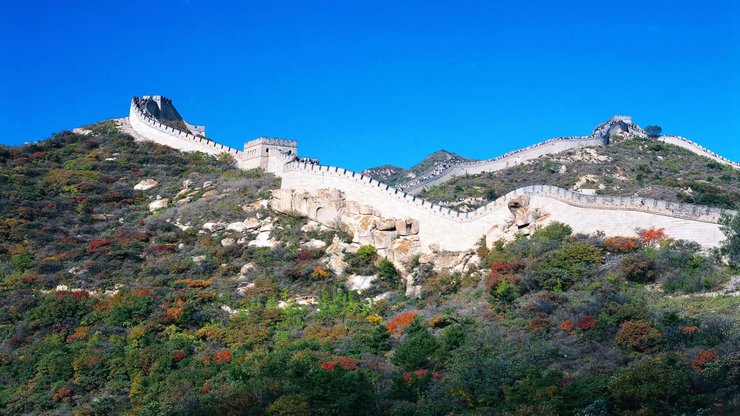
[360, 84]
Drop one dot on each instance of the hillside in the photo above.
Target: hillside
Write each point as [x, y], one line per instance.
[429, 166]
[635, 166]
[139, 280]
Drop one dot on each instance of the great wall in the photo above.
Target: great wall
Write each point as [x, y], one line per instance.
[440, 228]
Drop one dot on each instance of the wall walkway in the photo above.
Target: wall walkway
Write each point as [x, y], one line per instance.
[456, 231]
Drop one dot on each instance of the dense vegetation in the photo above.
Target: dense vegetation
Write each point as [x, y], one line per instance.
[160, 319]
[626, 167]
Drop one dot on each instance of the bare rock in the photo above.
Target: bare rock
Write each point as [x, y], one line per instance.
[159, 204]
[228, 242]
[214, 226]
[314, 244]
[360, 283]
[146, 185]
[263, 240]
[238, 227]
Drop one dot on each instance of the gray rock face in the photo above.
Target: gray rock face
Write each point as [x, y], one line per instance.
[394, 238]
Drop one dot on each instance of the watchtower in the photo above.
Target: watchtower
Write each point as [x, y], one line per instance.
[267, 148]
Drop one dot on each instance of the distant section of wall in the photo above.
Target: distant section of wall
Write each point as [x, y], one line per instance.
[507, 160]
[456, 231]
[148, 126]
[698, 149]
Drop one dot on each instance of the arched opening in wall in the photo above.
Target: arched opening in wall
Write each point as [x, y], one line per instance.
[267, 150]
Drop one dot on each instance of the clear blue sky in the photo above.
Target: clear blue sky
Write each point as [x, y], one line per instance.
[360, 84]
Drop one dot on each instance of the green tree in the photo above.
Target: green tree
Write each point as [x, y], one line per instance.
[653, 131]
[730, 226]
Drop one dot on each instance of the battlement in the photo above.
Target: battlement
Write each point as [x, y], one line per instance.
[272, 141]
[626, 119]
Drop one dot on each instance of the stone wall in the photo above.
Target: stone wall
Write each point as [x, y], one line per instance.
[445, 229]
[504, 161]
[698, 149]
[148, 126]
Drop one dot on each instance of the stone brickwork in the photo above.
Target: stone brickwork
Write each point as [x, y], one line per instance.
[440, 228]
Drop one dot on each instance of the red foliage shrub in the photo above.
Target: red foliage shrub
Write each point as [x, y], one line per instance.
[505, 271]
[162, 249]
[38, 155]
[566, 326]
[538, 323]
[621, 244]
[651, 235]
[177, 356]
[28, 278]
[348, 363]
[688, 330]
[588, 322]
[95, 244]
[640, 335]
[222, 356]
[329, 365]
[64, 395]
[78, 295]
[142, 292]
[400, 322]
[304, 255]
[703, 358]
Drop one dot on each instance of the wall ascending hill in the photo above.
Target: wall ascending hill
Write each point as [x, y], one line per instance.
[507, 160]
[455, 231]
[446, 229]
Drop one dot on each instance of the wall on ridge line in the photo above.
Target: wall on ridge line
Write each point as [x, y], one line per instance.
[698, 149]
[186, 142]
[446, 229]
[512, 159]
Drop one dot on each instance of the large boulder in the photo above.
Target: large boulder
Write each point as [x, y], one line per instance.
[146, 185]
[159, 204]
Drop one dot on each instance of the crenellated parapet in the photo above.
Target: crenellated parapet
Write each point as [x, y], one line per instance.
[628, 203]
[267, 153]
[509, 159]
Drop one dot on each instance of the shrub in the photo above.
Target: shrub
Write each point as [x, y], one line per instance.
[651, 236]
[387, 270]
[621, 244]
[320, 273]
[703, 359]
[95, 244]
[222, 356]
[658, 384]
[587, 323]
[640, 335]
[730, 226]
[638, 268]
[400, 322]
[555, 231]
[414, 351]
[559, 269]
[362, 262]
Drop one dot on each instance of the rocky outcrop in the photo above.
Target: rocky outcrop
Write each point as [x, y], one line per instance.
[522, 220]
[146, 185]
[159, 204]
[395, 238]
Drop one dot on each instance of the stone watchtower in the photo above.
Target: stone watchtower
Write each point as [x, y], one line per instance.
[271, 152]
